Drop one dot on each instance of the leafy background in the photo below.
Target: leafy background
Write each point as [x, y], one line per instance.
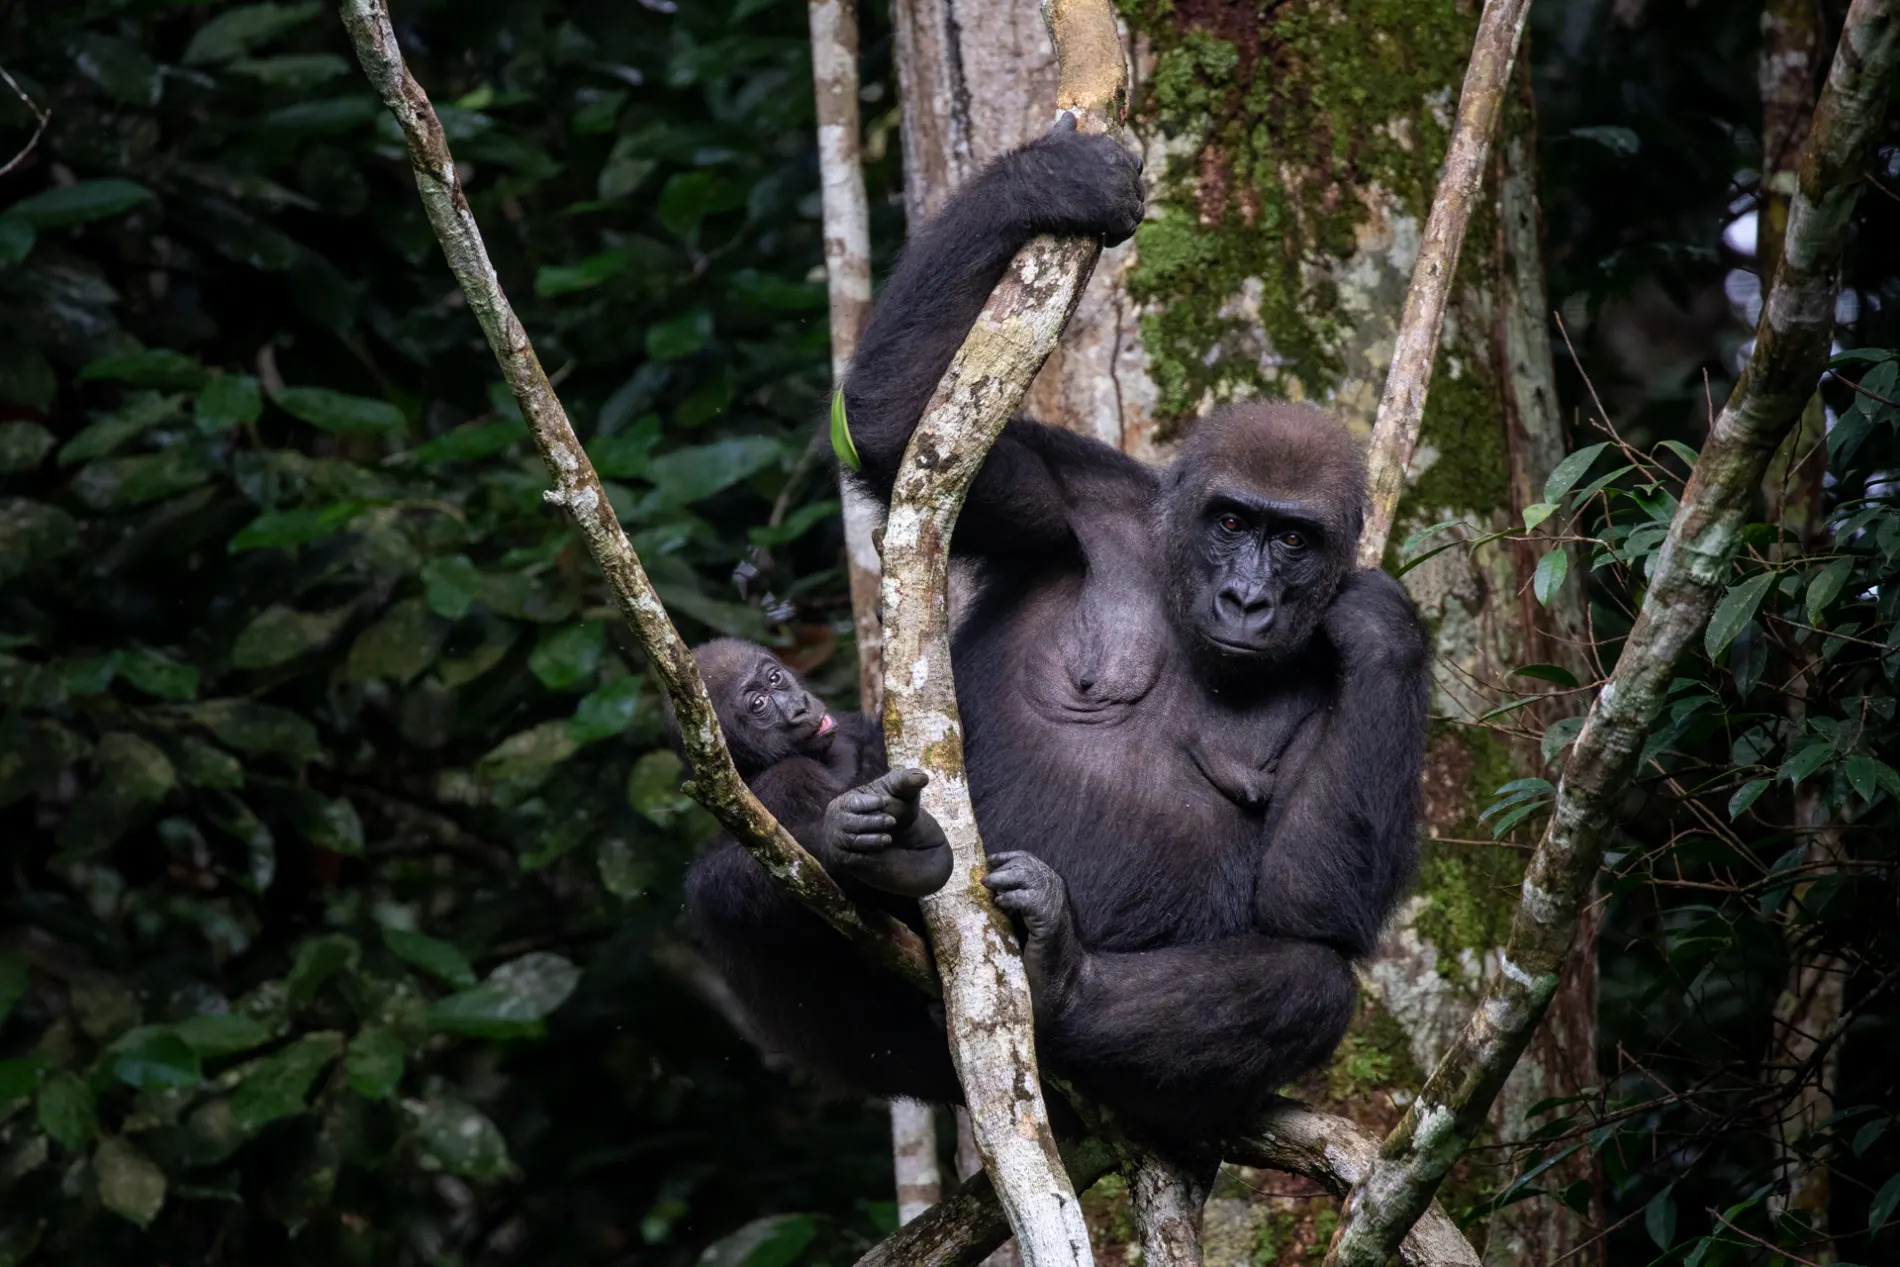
[343, 852]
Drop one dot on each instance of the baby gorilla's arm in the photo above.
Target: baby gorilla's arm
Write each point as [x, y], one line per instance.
[880, 836]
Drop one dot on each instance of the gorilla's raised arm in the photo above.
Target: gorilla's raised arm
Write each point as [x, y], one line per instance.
[1067, 182]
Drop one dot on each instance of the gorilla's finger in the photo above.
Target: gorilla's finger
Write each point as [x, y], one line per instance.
[907, 783]
[1065, 123]
[863, 801]
[858, 842]
[858, 824]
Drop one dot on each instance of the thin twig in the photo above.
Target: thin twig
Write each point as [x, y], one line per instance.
[41, 115]
[715, 783]
[1402, 406]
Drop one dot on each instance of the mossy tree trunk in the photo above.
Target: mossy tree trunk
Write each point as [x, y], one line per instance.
[1291, 152]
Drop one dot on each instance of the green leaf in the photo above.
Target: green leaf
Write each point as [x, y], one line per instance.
[1537, 512]
[1565, 475]
[1883, 1203]
[281, 529]
[33, 533]
[564, 279]
[1746, 795]
[23, 445]
[1862, 775]
[1559, 735]
[778, 1240]
[156, 674]
[155, 1056]
[13, 979]
[679, 337]
[526, 756]
[155, 367]
[235, 32]
[470, 441]
[109, 431]
[130, 1185]
[280, 634]
[1801, 766]
[1546, 673]
[331, 823]
[16, 238]
[19, 1078]
[215, 1034]
[79, 203]
[691, 474]
[292, 71]
[435, 957]
[227, 401]
[606, 711]
[255, 728]
[1659, 1217]
[324, 117]
[1736, 608]
[459, 1139]
[65, 1110]
[847, 450]
[275, 1086]
[133, 481]
[512, 1001]
[317, 960]
[653, 787]
[374, 1064]
[403, 643]
[568, 655]
[1825, 586]
[1549, 577]
[451, 584]
[206, 765]
[339, 411]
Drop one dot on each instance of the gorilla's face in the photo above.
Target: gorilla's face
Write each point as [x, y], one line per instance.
[1259, 574]
[767, 712]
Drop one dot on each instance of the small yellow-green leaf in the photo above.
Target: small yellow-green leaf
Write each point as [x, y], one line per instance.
[841, 443]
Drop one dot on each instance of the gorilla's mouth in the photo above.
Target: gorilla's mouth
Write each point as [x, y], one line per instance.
[818, 739]
[827, 724]
[1230, 647]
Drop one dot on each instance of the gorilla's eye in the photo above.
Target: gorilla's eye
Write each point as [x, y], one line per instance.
[1293, 540]
[775, 678]
[758, 703]
[1231, 523]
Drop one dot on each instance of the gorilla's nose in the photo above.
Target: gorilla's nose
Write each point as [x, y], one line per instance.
[1246, 609]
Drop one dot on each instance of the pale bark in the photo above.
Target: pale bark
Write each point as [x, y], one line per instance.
[715, 783]
[1402, 408]
[986, 993]
[1690, 569]
[914, 1158]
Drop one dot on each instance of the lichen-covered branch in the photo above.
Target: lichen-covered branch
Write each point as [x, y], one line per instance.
[715, 783]
[986, 994]
[1402, 407]
[1791, 347]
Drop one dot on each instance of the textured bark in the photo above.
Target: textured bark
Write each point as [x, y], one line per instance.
[714, 783]
[986, 993]
[914, 1157]
[1791, 350]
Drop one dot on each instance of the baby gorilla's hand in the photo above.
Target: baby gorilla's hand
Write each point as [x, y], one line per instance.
[879, 835]
[1029, 889]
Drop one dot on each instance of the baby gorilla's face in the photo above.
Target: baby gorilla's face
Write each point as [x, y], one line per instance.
[777, 714]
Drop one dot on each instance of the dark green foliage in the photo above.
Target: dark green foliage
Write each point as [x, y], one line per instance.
[339, 833]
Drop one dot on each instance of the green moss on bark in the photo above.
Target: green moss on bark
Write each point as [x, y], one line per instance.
[1375, 1056]
[1469, 890]
[1276, 133]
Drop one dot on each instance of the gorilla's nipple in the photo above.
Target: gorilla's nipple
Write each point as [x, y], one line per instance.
[1085, 683]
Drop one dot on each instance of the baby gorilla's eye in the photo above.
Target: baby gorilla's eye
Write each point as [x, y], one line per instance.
[775, 678]
[1231, 523]
[1293, 540]
[758, 703]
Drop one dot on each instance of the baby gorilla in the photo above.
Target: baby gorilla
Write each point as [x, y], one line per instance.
[822, 775]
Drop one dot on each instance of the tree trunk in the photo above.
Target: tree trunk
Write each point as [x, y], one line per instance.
[1291, 160]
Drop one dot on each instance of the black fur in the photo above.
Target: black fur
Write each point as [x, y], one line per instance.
[1193, 731]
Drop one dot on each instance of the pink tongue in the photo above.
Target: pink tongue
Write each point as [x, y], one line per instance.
[827, 724]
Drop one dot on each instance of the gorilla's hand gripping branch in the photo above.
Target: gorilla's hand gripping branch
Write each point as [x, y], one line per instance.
[1791, 349]
[986, 994]
[715, 783]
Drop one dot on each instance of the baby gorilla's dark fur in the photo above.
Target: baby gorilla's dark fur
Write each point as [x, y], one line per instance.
[1192, 730]
[824, 776]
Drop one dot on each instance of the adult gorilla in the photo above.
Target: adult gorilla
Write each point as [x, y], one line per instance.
[1193, 732]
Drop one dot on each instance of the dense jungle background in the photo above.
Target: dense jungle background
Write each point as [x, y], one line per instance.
[342, 848]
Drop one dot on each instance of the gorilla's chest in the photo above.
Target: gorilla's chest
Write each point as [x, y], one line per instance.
[1091, 745]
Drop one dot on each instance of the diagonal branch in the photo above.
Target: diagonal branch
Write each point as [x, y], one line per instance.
[1791, 348]
[986, 994]
[1402, 407]
[715, 783]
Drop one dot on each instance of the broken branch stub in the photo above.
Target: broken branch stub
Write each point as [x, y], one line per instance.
[986, 994]
[715, 783]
